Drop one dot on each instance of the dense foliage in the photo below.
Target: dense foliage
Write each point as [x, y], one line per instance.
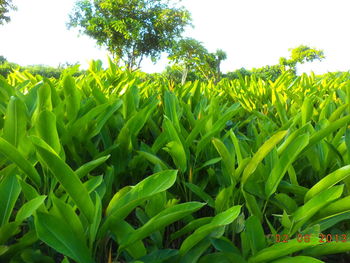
[109, 166]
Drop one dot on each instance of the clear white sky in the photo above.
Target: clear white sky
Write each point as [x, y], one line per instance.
[254, 33]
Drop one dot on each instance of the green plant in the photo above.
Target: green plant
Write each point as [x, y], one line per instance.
[112, 165]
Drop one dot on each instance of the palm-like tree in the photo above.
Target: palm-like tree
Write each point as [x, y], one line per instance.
[220, 56]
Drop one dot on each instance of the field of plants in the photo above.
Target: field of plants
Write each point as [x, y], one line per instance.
[111, 166]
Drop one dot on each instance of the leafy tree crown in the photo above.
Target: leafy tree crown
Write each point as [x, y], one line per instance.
[131, 29]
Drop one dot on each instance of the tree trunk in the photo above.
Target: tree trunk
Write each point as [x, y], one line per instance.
[184, 75]
[218, 72]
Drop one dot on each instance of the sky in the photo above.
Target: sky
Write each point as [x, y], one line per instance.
[253, 33]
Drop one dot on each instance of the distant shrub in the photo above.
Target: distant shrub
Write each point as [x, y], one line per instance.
[46, 71]
[235, 74]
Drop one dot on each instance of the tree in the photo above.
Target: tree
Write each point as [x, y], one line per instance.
[220, 55]
[131, 29]
[301, 54]
[5, 7]
[268, 72]
[242, 72]
[192, 55]
[2, 60]
[188, 53]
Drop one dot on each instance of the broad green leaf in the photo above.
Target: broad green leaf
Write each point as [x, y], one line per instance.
[164, 218]
[79, 128]
[68, 216]
[297, 190]
[93, 183]
[223, 199]
[281, 249]
[122, 230]
[59, 235]
[208, 163]
[305, 212]
[336, 207]
[195, 252]
[137, 121]
[285, 222]
[281, 111]
[223, 244]
[299, 259]
[153, 184]
[29, 208]
[218, 126]
[328, 181]
[9, 192]
[119, 208]
[222, 257]
[330, 248]
[337, 113]
[3, 250]
[131, 100]
[159, 256]
[261, 154]
[170, 108]
[111, 66]
[116, 198]
[288, 203]
[102, 119]
[331, 127]
[66, 176]
[155, 204]
[287, 158]
[153, 159]
[15, 122]
[201, 194]
[71, 97]
[194, 224]
[177, 152]
[29, 191]
[89, 166]
[43, 101]
[65, 260]
[6, 87]
[333, 220]
[228, 159]
[15, 156]
[292, 136]
[94, 227]
[253, 205]
[31, 255]
[255, 234]
[199, 126]
[306, 110]
[219, 220]
[46, 129]
[8, 231]
[237, 146]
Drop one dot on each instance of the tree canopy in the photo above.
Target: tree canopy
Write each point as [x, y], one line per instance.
[131, 30]
[301, 54]
[5, 7]
[192, 55]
